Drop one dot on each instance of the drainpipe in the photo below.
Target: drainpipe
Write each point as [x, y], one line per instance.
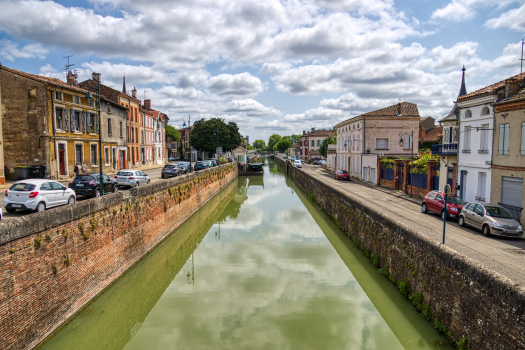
[364, 146]
[54, 131]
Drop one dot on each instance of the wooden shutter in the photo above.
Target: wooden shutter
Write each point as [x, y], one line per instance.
[72, 115]
[83, 121]
[506, 143]
[66, 119]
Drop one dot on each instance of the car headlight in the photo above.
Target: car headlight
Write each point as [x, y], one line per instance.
[520, 228]
[496, 224]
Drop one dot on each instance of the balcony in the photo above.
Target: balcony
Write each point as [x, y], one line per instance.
[447, 149]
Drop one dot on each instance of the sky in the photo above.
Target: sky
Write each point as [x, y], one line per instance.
[271, 66]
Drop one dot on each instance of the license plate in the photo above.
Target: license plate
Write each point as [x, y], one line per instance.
[80, 185]
[16, 206]
[511, 232]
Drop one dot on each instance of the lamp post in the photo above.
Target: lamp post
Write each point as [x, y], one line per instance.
[401, 143]
[188, 119]
[90, 97]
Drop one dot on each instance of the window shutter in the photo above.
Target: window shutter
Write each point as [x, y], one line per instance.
[506, 144]
[501, 138]
[522, 150]
[72, 115]
[66, 119]
[83, 121]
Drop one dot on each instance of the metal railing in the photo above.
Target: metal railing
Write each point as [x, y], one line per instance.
[514, 211]
[445, 149]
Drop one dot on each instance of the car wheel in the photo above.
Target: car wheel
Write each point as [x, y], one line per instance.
[486, 230]
[97, 193]
[115, 189]
[71, 200]
[10, 210]
[162, 176]
[443, 215]
[424, 208]
[137, 184]
[149, 181]
[40, 207]
[461, 221]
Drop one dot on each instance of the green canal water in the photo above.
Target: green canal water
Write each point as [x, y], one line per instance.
[259, 267]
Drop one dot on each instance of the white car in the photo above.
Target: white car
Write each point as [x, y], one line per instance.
[131, 178]
[298, 163]
[38, 195]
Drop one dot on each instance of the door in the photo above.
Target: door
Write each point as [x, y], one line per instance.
[47, 191]
[374, 176]
[463, 185]
[61, 159]
[511, 193]
[78, 154]
[438, 203]
[107, 184]
[477, 218]
[114, 158]
[61, 196]
[122, 164]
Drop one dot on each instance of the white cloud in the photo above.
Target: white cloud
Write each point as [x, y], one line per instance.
[10, 50]
[252, 108]
[236, 86]
[514, 19]
[462, 10]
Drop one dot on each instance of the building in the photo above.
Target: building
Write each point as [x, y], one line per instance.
[185, 141]
[331, 153]
[447, 150]
[508, 159]
[240, 154]
[310, 142]
[294, 150]
[393, 130]
[245, 139]
[59, 128]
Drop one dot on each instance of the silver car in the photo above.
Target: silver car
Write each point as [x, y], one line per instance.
[490, 219]
[131, 178]
[37, 194]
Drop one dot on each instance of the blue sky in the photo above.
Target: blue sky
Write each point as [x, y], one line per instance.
[271, 66]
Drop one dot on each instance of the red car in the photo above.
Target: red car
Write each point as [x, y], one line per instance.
[434, 201]
[342, 175]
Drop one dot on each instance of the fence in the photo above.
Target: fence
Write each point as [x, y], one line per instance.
[387, 174]
[419, 180]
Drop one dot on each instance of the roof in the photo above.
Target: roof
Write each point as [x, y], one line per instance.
[108, 92]
[320, 132]
[491, 88]
[433, 135]
[405, 109]
[514, 98]
[45, 80]
[453, 115]
[239, 147]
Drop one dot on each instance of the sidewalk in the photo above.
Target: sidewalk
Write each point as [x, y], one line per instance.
[9, 183]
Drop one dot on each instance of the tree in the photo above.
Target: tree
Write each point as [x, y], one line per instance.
[207, 135]
[272, 141]
[283, 145]
[172, 133]
[323, 149]
[234, 138]
[259, 144]
[292, 138]
[248, 147]
[181, 150]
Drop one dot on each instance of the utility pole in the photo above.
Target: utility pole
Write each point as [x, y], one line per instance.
[522, 43]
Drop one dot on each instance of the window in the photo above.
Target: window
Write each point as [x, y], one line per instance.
[485, 111]
[58, 95]
[46, 186]
[353, 142]
[381, 143]
[318, 143]
[522, 149]
[504, 139]
[467, 132]
[109, 108]
[439, 197]
[408, 142]
[106, 156]
[76, 99]
[59, 118]
[142, 137]
[357, 142]
[482, 183]
[94, 154]
[484, 138]
[468, 114]
[91, 122]
[120, 131]
[312, 143]
[77, 121]
[479, 209]
[110, 131]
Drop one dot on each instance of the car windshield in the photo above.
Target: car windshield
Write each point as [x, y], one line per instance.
[124, 173]
[83, 178]
[169, 166]
[498, 212]
[344, 172]
[200, 163]
[22, 187]
[455, 200]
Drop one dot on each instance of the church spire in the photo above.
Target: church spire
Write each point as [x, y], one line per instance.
[124, 85]
[463, 89]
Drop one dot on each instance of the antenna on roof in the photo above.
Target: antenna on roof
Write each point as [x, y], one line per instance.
[67, 66]
[522, 43]
[145, 94]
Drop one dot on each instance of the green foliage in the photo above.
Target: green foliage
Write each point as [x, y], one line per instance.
[180, 150]
[463, 344]
[282, 145]
[248, 147]
[323, 149]
[439, 325]
[67, 260]
[172, 133]
[207, 135]
[54, 268]
[38, 241]
[292, 138]
[375, 260]
[259, 144]
[426, 145]
[404, 287]
[272, 141]
[387, 163]
[419, 166]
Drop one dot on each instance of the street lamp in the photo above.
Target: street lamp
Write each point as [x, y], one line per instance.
[188, 119]
[401, 143]
[90, 98]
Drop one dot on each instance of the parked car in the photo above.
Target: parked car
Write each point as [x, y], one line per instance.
[172, 159]
[171, 170]
[321, 162]
[131, 178]
[490, 219]
[434, 201]
[201, 165]
[37, 194]
[298, 163]
[185, 166]
[342, 175]
[230, 160]
[89, 184]
[215, 162]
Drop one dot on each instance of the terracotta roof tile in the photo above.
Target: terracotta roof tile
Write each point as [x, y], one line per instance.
[433, 135]
[491, 88]
[407, 110]
[518, 97]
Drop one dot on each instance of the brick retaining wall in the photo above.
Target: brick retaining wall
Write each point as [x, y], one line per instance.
[458, 295]
[53, 263]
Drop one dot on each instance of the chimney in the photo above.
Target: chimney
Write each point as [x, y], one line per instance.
[147, 104]
[511, 87]
[304, 132]
[96, 77]
[399, 109]
[313, 129]
[70, 78]
[134, 92]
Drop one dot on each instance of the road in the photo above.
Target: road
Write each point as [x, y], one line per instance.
[154, 175]
[503, 255]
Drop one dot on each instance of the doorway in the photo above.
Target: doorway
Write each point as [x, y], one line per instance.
[122, 164]
[463, 185]
[78, 154]
[61, 159]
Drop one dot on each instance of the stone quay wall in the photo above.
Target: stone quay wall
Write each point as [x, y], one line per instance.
[55, 262]
[475, 307]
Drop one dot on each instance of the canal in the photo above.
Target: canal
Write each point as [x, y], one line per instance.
[259, 267]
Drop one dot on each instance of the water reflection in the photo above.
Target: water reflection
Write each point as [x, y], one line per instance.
[268, 278]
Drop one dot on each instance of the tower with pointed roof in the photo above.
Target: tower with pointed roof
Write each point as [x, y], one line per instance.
[124, 85]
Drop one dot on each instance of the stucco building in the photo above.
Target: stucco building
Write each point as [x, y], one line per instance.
[310, 142]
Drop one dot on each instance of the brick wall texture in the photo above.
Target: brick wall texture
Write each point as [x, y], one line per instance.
[459, 296]
[53, 263]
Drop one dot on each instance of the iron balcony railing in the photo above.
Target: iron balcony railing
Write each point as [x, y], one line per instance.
[445, 149]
